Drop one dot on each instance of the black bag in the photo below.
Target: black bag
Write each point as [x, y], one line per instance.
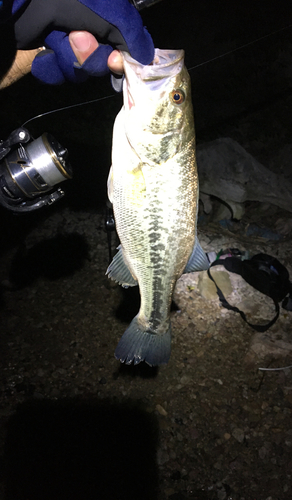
[263, 272]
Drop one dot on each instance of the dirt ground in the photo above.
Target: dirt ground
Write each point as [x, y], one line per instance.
[220, 427]
[76, 423]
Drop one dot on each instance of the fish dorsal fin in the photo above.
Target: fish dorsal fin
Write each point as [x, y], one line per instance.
[198, 261]
[119, 271]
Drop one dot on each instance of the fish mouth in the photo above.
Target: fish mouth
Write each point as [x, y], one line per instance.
[166, 63]
[131, 101]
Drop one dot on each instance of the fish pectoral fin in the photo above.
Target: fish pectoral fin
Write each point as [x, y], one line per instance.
[110, 185]
[119, 271]
[198, 261]
[137, 345]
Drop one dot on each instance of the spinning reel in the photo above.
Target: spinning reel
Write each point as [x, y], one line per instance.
[30, 169]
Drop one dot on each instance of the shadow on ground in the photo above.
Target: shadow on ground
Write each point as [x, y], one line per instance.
[80, 450]
[52, 258]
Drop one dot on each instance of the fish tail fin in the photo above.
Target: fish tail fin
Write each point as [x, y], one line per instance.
[138, 345]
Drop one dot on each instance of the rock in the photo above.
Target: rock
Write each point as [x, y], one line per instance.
[224, 212]
[206, 200]
[284, 226]
[231, 174]
[169, 492]
[262, 452]
[221, 494]
[264, 344]
[207, 288]
[161, 410]
[162, 457]
[238, 434]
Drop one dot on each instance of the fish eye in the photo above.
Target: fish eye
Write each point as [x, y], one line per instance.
[177, 96]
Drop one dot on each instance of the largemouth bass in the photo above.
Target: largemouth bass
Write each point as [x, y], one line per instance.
[153, 186]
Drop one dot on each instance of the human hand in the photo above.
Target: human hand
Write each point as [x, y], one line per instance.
[84, 44]
[52, 20]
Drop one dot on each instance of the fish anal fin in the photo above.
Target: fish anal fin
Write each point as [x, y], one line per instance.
[137, 345]
[119, 271]
[198, 260]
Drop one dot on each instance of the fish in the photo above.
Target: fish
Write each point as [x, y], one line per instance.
[153, 187]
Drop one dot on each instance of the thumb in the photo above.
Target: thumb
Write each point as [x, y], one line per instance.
[83, 44]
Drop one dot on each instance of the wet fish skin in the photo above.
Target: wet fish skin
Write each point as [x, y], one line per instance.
[153, 185]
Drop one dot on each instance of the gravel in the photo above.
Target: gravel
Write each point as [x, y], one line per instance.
[211, 425]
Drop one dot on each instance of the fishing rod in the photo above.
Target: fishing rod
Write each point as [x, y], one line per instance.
[28, 174]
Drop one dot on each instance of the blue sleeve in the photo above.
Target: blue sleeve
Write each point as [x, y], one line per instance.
[116, 24]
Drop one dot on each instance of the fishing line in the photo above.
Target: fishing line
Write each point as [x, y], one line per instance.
[241, 47]
[189, 69]
[68, 107]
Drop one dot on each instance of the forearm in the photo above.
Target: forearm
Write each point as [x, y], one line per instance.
[20, 67]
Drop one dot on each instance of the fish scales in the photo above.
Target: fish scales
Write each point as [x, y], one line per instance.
[153, 185]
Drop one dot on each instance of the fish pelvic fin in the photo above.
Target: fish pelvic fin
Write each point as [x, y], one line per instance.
[119, 271]
[198, 261]
[137, 345]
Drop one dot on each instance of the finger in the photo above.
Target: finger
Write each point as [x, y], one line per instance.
[82, 44]
[115, 62]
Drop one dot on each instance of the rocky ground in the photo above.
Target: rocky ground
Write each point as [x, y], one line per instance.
[208, 425]
[75, 423]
